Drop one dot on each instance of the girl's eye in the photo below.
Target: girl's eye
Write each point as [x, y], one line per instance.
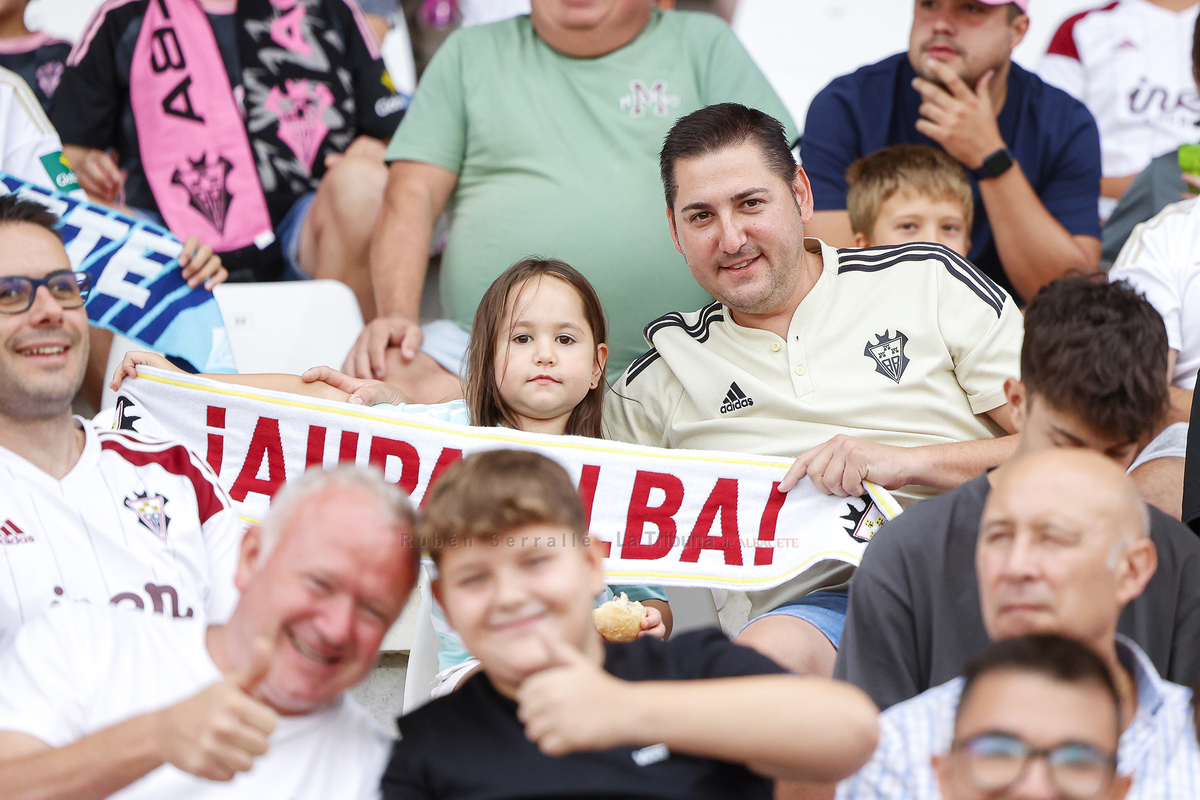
[563, 338]
[522, 338]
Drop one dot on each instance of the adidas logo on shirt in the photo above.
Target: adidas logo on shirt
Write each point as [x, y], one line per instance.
[735, 398]
[11, 534]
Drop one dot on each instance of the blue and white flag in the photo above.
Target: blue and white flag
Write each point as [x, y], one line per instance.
[138, 288]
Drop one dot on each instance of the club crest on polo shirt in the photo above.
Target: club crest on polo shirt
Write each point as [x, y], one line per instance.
[735, 398]
[151, 512]
[888, 353]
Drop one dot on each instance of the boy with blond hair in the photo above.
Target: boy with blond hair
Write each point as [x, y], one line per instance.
[910, 193]
[558, 712]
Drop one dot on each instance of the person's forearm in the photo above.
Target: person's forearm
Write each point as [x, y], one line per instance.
[1033, 246]
[92, 768]
[1114, 187]
[415, 196]
[783, 726]
[946, 466]
[292, 384]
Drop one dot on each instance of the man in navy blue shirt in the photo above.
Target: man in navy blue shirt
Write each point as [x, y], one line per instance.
[1033, 151]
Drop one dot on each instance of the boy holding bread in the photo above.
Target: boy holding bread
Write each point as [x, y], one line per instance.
[556, 711]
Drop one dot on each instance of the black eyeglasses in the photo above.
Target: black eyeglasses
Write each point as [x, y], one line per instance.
[996, 761]
[69, 289]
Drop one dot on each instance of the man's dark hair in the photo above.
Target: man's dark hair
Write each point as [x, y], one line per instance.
[1097, 350]
[716, 128]
[1014, 11]
[1056, 657]
[14, 208]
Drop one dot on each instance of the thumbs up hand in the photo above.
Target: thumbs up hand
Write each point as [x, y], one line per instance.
[217, 733]
[573, 705]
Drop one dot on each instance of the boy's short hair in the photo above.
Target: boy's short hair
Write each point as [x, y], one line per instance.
[1097, 350]
[494, 492]
[915, 168]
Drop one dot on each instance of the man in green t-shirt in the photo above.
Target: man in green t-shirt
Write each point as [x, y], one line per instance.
[541, 134]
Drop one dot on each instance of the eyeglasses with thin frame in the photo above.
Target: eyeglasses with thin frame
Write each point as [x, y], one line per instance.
[995, 761]
[68, 288]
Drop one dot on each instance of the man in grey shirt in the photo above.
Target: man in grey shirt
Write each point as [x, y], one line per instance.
[1092, 375]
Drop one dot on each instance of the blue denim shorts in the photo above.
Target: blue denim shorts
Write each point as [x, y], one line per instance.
[825, 611]
[288, 233]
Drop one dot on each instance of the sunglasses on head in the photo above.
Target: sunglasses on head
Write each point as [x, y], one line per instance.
[68, 288]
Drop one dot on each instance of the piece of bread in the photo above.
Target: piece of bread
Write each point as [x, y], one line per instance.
[620, 619]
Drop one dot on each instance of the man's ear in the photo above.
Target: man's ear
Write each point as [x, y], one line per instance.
[861, 240]
[804, 196]
[1017, 30]
[1139, 563]
[248, 557]
[674, 233]
[1014, 390]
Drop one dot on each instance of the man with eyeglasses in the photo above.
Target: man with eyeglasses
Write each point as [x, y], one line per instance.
[1039, 717]
[1063, 546]
[89, 515]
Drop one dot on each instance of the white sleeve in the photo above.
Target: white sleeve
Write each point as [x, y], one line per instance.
[1148, 262]
[1063, 72]
[223, 534]
[32, 150]
[45, 677]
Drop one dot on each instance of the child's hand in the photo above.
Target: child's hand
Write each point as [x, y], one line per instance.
[129, 365]
[573, 705]
[362, 391]
[652, 624]
[201, 265]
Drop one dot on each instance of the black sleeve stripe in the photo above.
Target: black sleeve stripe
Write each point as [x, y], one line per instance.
[709, 314]
[874, 259]
[639, 365]
[931, 250]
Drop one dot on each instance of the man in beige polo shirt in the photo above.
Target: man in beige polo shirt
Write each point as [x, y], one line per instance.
[884, 363]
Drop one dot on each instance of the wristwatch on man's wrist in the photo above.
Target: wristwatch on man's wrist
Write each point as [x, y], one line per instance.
[994, 165]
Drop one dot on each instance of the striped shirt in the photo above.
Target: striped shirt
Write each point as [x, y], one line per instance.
[1158, 748]
[905, 346]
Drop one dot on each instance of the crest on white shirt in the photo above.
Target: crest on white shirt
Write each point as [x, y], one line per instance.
[888, 353]
[151, 512]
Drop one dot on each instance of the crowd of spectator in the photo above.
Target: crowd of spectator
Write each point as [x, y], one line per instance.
[962, 281]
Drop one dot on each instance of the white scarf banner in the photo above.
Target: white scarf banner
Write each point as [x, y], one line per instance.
[668, 517]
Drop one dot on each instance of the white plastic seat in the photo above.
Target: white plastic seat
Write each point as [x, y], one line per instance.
[289, 326]
[423, 651]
